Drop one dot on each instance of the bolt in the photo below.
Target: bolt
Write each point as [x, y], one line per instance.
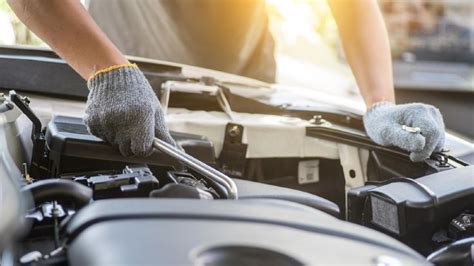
[442, 160]
[26, 99]
[234, 131]
[317, 120]
[55, 210]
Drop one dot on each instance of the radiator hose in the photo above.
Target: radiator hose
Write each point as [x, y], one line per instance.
[57, 190]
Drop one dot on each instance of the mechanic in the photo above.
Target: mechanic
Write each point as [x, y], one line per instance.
[122, 108]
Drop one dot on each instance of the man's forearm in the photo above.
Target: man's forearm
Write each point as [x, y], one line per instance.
[366, 46]
[68, 29]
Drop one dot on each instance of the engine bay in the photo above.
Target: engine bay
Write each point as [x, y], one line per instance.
[70, 169]
[311, 188]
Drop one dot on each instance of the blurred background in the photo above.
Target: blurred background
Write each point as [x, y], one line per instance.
[432, 45]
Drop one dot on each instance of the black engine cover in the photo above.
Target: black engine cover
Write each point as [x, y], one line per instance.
[71, 148]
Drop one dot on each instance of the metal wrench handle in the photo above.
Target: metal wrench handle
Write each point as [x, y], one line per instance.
[198, 166]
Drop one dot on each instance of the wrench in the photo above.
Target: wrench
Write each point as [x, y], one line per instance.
[208, 172]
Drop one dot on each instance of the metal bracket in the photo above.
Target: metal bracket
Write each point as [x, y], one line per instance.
[206, 85]
[354, 164]
[39, 162]
[233, 155]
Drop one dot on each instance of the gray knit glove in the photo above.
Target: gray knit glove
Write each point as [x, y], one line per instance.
[415, 127]
[122, 109]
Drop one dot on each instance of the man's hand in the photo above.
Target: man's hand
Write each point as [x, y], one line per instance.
[417, 128]
[123, 110]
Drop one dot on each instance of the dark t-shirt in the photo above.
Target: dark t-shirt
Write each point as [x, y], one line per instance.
[226, 35]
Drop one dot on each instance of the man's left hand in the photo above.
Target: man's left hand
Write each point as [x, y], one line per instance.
[417, 128]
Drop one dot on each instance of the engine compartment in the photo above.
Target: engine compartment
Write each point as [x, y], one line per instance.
[311, 184]
[72, 174]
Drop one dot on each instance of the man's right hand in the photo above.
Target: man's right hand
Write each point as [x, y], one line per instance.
[123, 110]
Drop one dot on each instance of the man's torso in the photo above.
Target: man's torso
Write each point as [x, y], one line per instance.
[227, 35]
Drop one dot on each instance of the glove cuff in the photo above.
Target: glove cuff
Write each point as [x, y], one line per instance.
[123, 73]
[378, 106]
[110, 68]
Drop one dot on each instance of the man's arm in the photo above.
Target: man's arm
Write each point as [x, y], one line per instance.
[417, 128]
[365, 42]
[66, 26]
[122, 108]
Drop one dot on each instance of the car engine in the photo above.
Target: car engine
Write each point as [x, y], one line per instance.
[352, 202]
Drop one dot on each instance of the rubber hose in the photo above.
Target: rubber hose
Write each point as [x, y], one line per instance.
[457, 253]
[59, 189]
